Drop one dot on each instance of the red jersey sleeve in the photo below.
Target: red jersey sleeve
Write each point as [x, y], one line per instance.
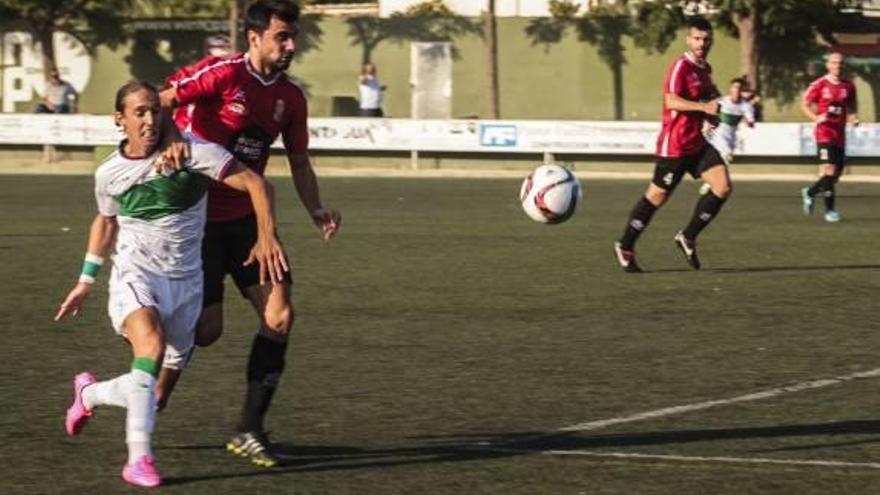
[189, 70]
[812, 94]
[206, 82]
[296, 135]
[675, 81]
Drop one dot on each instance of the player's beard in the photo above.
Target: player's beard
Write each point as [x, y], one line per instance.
[282, 64]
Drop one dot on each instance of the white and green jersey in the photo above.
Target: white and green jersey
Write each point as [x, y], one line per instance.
[731, 113]
[161, 217]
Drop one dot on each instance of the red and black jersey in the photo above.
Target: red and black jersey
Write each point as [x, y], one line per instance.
[833, 101]
[234, 106]
[681, 133]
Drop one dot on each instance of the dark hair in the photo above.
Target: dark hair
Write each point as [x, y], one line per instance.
[130, 87]
[741, 80]
[260, 13]
[699, 23]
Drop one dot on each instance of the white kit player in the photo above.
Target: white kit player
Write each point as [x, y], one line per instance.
[733, 110]
[156, 222]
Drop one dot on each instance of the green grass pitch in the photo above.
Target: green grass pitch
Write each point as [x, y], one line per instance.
[443, 340]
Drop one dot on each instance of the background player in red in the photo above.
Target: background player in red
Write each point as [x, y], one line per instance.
[830, 102]
[689, 96]
[245, 102]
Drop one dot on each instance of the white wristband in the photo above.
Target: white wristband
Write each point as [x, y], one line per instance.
[87, 279]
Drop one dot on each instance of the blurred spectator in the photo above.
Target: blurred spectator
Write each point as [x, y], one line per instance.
[60, 96]
[218, 45]
[370, 92]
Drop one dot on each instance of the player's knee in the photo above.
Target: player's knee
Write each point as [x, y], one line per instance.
[279, 320]
[656, 196]
[723, 191]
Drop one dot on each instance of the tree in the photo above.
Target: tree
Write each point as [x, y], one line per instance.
[491, 38]
[605, 25]
[431, 20]
[92, 21]
[777, 38]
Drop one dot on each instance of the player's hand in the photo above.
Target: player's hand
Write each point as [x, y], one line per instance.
[328, 221]
[820, 117]
[173, 156]
[270, 255]
[73, 302]
[854, 120]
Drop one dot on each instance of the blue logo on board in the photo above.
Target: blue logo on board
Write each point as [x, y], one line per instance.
[497, 135]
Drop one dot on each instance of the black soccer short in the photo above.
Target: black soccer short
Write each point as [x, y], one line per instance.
[226, 247]
[835, 155]
[669, 171]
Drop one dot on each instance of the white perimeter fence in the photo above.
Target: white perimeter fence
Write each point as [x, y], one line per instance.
[461, 136]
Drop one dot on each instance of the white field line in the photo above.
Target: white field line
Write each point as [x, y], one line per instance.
[730, 460]
[698, 406]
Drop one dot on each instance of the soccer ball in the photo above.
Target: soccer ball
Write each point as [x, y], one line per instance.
[550, 194]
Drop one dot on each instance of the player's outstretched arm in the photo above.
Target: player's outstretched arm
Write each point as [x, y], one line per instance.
[175, 149]
[267, 252]
[102, 234]
[306, 184]
[679, 104]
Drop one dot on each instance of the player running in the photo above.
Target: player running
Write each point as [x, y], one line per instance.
[244, 102]
[734, 109]
[157, 223]
[830, 102]
[688, 97]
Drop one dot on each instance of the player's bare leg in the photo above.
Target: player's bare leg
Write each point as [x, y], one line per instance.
[706, 210]
[265, 365]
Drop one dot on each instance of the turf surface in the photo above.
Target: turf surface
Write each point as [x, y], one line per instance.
[443, 339]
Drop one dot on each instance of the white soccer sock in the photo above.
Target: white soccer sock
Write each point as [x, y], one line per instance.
[141, 413]
[107, 393]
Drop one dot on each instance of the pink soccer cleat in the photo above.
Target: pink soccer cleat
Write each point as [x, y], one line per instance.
[142, 473]
[77, 414]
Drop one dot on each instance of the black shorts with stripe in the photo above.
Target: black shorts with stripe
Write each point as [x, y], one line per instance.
[225, 248]
[668, 171]
[829, 153]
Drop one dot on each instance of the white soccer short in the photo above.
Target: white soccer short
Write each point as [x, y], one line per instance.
[179, 302]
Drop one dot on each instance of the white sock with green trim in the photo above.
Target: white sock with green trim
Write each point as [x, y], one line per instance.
[107, 393]
[141, 413]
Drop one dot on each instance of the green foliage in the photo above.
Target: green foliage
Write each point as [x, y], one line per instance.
[429, 8]
[93, 21]
[657, 25]
[428, 21]
[180, 8]
[787, 38]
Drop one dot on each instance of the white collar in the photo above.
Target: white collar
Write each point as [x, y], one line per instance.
[693, 59]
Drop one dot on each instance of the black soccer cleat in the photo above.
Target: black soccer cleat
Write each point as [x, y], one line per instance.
[626, 258]
[688, 248]
[255, 446]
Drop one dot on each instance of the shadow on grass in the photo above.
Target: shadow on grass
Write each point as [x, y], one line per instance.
[766, 269]
[814, 268]
[488, 446]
